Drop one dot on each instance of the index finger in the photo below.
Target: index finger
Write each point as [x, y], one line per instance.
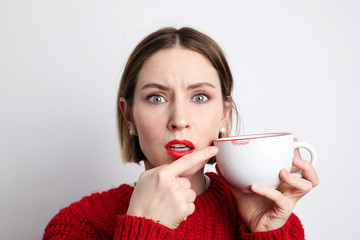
[308, 171]
[297, 155]
[191, 163]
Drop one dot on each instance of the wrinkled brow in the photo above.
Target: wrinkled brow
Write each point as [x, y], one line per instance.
[192, 86]
[201, 84]
[155, 85]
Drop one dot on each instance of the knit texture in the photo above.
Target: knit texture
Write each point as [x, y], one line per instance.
[102, 216]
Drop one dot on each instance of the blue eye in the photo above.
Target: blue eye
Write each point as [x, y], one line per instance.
[156, 99]
[200, 98]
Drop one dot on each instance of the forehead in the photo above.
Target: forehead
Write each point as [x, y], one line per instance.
[178, 64]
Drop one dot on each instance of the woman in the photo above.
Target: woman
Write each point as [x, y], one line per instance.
[174, 100]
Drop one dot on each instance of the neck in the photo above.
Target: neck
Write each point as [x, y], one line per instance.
[197, 181]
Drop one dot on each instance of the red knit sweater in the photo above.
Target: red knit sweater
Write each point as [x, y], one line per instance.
[102, 216]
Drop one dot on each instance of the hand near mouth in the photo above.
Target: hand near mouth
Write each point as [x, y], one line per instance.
[163, 194]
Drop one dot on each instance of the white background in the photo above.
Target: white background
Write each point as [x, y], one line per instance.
[296, 66]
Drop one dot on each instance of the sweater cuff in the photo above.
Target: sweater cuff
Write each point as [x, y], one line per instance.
[291, 230]
[131, 227]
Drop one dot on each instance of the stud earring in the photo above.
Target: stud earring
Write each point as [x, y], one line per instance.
[132, 132]
[222, 130]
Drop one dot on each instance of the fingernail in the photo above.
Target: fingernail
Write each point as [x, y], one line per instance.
[298, 160]
[285, 172]
[213, 150]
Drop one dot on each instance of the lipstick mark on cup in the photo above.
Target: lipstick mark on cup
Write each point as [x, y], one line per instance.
[240, 142]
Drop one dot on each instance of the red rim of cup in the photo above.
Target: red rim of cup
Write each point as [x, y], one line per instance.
[252, 136]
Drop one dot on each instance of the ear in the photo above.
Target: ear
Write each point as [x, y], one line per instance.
[227, 111]
[126, 113]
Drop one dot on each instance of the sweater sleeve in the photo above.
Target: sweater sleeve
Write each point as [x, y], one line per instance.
[292, 230]
[70, 224]
[102, 216]
[130, 227]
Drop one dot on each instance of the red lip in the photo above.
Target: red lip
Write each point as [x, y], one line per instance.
[178, 154]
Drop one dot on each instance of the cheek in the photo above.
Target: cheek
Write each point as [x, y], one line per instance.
[209, 121]
[149, 127]
[146, 124]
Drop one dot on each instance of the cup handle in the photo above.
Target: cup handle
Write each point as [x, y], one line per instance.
[313, 154]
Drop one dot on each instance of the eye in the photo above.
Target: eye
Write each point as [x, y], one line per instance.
[200, 98]
[156, 99]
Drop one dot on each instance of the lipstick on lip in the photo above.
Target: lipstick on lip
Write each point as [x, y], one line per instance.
[179, 148]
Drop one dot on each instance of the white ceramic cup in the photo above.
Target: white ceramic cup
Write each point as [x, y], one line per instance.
[258, 158]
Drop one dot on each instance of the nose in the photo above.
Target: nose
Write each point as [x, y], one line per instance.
[179, 117]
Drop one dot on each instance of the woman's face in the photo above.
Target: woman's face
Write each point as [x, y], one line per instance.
[178, 106]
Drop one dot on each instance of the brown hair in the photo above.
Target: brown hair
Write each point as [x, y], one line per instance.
[166, 38]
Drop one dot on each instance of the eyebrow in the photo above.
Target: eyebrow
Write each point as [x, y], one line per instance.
[154, 85]
[163, 87]
[201, 84]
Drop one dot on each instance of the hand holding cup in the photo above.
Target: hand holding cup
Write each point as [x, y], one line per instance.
[257, 159]
[269, 159]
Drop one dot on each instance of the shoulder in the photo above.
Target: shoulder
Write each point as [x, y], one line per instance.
[115, 198]
[98, 210]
